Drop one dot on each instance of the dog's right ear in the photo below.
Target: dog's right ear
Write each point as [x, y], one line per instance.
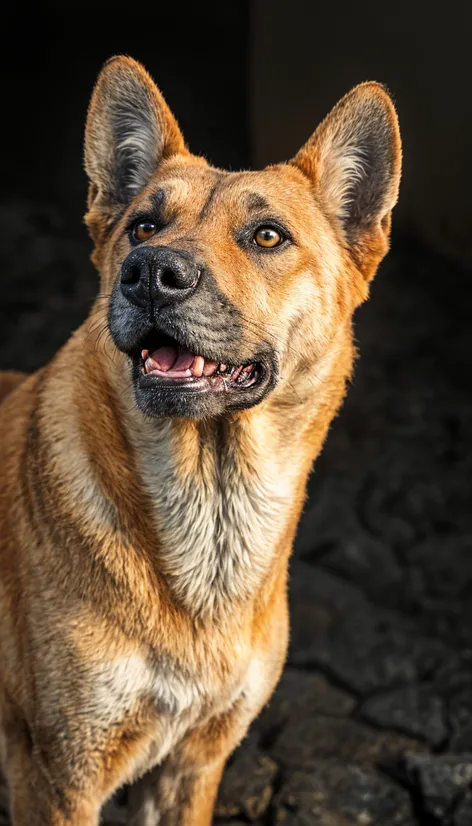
[353, 161]
[130, 129]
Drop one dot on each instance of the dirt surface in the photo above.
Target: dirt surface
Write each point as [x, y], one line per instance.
[372, 721]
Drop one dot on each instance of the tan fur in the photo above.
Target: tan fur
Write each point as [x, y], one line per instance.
[143, 562]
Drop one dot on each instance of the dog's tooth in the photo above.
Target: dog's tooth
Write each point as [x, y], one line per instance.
[236, 373]
[210, 368]
[149, 365]
[223, 368]
[198, 366]
[144, 354]
[173, 374]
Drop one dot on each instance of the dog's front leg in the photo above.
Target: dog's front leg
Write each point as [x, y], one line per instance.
[183, 789]
[36, 800]
[171, 796]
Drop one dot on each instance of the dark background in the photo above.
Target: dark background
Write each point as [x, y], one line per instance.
[372, 723]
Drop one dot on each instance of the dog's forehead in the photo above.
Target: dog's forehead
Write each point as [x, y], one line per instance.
[280, 188]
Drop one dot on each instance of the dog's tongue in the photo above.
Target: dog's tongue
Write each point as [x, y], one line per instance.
[164, 357]
[174, 362]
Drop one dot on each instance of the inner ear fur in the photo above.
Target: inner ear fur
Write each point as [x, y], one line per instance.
[353, 160]
[130, 130]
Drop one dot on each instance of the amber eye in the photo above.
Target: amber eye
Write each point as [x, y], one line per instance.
[267, 237]
[144, 231]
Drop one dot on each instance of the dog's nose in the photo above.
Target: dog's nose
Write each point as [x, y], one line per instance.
[158, 274]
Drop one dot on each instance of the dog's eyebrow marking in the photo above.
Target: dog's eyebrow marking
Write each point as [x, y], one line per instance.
[257, 203]
[157, 199]
[209, 200]
[157, 204]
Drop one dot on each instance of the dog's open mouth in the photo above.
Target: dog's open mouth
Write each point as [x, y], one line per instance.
[171, 364]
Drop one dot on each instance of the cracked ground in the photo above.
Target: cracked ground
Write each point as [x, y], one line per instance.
[372, 721]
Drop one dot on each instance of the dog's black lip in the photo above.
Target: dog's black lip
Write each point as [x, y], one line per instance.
[194, 397]
[198, 384]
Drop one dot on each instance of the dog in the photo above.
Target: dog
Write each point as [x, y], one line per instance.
[154, 472]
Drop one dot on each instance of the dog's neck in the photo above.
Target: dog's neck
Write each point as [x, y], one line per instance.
[220, 499]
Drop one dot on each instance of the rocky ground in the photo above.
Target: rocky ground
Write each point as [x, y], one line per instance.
[372, 721]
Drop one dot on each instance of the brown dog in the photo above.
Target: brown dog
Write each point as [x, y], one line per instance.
[154, 472]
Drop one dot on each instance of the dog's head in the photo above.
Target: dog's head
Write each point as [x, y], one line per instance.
[225, 285]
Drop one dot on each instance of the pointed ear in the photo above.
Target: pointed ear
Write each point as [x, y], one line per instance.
[130, 129]
[354, 162]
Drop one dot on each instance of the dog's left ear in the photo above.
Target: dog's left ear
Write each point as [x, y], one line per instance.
[354, 162]
[130, 129]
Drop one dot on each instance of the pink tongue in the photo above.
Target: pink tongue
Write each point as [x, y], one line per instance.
[184, 361]
[170, 361]
[173, 362]
[164, 357]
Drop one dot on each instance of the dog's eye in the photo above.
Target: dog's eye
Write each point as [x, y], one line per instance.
[144, 230]
[268, 237]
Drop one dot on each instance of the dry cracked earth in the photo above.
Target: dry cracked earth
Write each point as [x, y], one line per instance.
[372, 721]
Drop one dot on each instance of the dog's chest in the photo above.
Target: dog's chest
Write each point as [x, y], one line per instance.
[130, 688]
[120, 684]
[217, 529]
